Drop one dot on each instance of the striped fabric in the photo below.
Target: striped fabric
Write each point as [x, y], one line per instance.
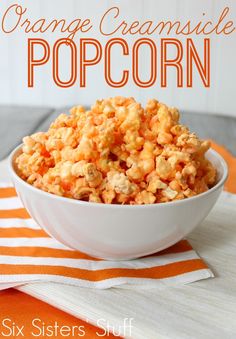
[28, 254]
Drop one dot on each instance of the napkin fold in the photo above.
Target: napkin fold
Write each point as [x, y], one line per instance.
[28, 254]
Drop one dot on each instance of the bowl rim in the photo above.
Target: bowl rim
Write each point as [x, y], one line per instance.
[103, 205]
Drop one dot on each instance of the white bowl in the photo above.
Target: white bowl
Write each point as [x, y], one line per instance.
[118, 232]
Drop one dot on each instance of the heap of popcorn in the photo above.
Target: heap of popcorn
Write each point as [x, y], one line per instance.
[118, 153]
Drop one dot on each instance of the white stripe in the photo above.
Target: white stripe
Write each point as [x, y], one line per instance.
[93, 265]
[130, 283]
[32, 242]
[185, 278]
[17, 222]
[6, 184]
[27, 278]
[10, 203]
[9, 285]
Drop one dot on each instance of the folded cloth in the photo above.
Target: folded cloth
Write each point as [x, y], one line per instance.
[28, 254]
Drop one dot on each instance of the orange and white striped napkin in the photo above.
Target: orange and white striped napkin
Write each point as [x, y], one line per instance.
[28, 254]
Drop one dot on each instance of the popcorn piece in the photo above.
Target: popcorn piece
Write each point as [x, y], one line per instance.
[108, 196]
[66, 170]
[92, 175]
[28, 144]
[132, 120]
[189, 193]
[164, 138]
[84, 192]
[120, 183]
[189, 142]
[145, 197]
[163, 167]
[175, 186]
[94, 197]
[77, 168]
[135, 173]
[85, 150]
[156, 184]
[90, 171]
[176, 157]
[189, 169]
[179, 130]
[169, 193]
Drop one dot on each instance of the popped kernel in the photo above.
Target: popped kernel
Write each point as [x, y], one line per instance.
[156, 184]
[94, 197]
[169, 193]
[120, 183]
[163, 167]
[84, 192]
[118, 152]
[145, 197]
[108, 196]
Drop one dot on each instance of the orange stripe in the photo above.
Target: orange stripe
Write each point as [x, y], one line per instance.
[181, 246]
[44, 252]
[22, 232]
[20, 213]
[159, 272]
[7, 192]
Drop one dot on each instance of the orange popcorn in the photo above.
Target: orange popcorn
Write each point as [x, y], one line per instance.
[118, 153]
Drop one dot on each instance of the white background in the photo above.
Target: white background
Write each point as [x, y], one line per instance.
[219, 98]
